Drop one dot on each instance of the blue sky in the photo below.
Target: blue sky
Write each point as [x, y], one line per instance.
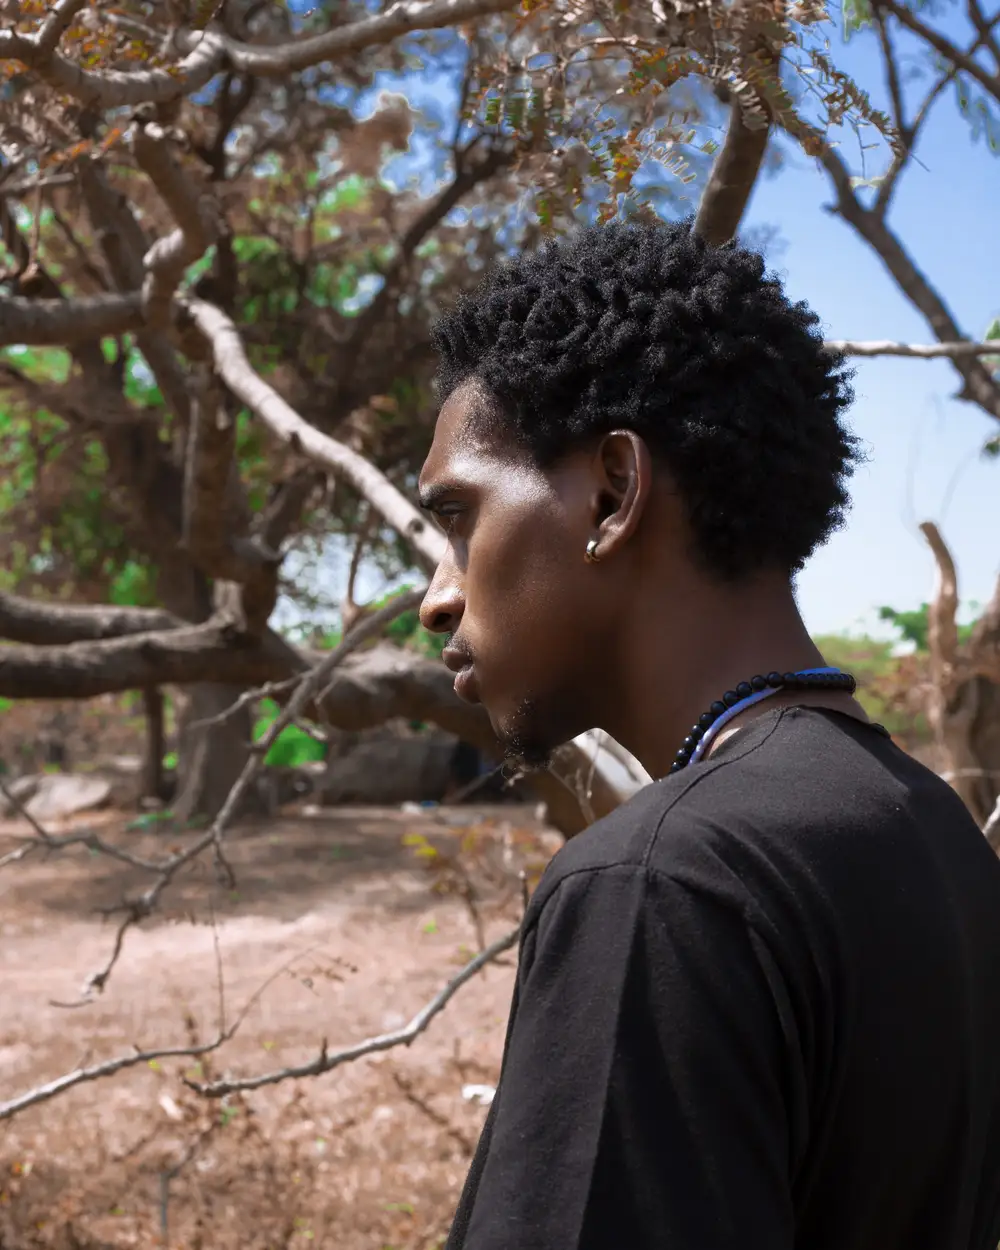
[923, 445]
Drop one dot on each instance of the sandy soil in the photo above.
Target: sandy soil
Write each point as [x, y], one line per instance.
[356, 934]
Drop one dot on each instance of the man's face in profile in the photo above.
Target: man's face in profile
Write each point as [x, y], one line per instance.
[525, 610]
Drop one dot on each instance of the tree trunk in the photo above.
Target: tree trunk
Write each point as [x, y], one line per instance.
[152, 768]
[969, 734]
[210, 757]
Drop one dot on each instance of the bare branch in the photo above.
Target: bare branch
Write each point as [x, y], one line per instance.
[469, 174]
[965, 349]
[58, 21]
[963, 61]
[124, 244]
[182, 655]
[206, 52]
[59, 322]
[284, 508]
[985, 28]
[234, 368]
[197, 227]
[326, 1061]
[979, 385]
[42, 1093]
[731, 181]
[56, 624]
[45, 841]
[907, 131]
[209, 479]
[942, 633]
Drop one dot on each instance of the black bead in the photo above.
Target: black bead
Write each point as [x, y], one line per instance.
[774, 680]
[717, 708]
[730, 698]
[744, 690]
[682, 756]
[758, 683]
[689, 744]
[676, 767]
[697, 733]
[790, 680]
[707, 719]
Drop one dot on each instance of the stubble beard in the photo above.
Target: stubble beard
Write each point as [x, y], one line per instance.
[524, 748]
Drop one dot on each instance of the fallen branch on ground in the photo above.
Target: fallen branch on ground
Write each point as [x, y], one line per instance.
[98, 1071]
[326, 1061]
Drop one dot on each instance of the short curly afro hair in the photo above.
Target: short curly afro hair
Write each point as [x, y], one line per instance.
[643, 326]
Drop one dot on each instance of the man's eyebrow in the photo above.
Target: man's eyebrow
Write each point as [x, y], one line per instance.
[431, 496]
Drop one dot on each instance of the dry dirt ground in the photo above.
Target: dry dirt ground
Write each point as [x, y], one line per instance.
[357, 936]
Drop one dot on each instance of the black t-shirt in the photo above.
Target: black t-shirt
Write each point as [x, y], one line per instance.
[757, 1006]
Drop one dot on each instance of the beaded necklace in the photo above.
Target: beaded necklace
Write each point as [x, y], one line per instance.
[745, 695]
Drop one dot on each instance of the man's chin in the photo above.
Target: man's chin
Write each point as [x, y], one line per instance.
[519, 759]
[525, 746]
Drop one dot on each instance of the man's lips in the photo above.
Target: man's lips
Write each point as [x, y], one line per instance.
[465, 677]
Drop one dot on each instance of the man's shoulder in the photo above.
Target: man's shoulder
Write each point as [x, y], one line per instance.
[625, 839]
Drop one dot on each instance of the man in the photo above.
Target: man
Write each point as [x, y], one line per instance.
[759, 1004]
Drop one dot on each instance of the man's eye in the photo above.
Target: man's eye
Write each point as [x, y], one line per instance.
[448, 516]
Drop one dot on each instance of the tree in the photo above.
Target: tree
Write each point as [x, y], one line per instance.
[922, 61]
[186, 148]
[170, 173]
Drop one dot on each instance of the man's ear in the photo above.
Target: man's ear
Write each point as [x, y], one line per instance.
[624, 479]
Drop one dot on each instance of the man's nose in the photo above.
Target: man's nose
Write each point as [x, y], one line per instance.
[441, 610]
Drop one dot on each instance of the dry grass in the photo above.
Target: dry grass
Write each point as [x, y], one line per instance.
[369, 1157]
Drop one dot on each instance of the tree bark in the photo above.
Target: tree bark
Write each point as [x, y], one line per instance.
[152, 770]
[964, 702]
[210, 756]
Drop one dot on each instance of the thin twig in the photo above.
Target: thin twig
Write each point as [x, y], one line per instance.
[326, 1061]
[138, 909]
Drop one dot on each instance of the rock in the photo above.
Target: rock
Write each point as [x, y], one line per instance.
[125, 763]
[59, 795]
[22, 790]
[390, 771]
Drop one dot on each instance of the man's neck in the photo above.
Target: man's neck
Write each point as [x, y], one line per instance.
[686, 652]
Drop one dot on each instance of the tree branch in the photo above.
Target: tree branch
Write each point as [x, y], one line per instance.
[123, 243]
[732, 179]
[80, 1076]
[985, 29]
[206, 52]
[468, 175]
[59, 322]
[60, 624]
[210, 530]
[942, 631]
[979, 385]
[326, 1061]
[234, 368]
[82, 670]
[963, 61]
[197, 228]
[962, 350]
